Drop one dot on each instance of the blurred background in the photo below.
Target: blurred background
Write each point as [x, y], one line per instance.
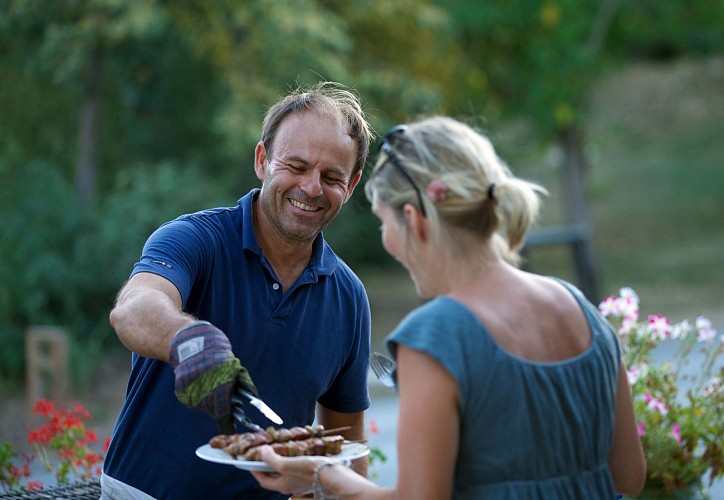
[116, 116]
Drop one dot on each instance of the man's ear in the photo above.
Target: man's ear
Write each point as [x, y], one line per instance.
[416, 222]
[353, 184]
[260, 160]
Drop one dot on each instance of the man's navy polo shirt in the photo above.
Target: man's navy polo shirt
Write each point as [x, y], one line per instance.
[306, 345]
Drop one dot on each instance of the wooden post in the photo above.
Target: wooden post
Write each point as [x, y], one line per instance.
[576, 197]
[46, 361]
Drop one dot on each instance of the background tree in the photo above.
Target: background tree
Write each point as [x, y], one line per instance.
[540, 60]
[116, 116]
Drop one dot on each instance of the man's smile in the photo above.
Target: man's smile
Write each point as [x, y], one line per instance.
[302, 206]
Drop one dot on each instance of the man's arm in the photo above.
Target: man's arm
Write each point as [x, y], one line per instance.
[147, 314]
[356, 421]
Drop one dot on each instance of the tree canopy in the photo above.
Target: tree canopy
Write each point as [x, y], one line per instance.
[116, 115]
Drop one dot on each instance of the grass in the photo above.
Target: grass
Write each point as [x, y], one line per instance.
[660, 224]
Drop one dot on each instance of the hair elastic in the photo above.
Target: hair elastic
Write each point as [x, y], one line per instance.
[436, 190]
[491, 188]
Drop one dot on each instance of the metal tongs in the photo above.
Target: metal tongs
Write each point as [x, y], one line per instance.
[227, 425]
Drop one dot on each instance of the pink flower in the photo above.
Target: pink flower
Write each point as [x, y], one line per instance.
[659, 326]
[608, 306]
[640, 429]
[628, 305]
[628, 293]
[705, 329]
[627, 326]
[635, 372]
[676, 432]
[653, 403]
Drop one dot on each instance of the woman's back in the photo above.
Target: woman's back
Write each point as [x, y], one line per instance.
[530, 316]
[530, 428]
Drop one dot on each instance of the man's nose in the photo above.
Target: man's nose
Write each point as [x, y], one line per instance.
[312, 184]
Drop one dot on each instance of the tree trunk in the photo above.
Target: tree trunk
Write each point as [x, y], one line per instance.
[85, 174]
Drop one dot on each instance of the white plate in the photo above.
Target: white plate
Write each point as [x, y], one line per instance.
[350, 451]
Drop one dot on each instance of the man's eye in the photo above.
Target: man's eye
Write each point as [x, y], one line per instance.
[333, 179]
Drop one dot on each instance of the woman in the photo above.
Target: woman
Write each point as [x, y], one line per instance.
[510, 384]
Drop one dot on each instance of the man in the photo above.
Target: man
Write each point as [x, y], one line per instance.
[227, 294]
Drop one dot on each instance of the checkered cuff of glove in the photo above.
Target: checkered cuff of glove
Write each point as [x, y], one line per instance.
[205, 368]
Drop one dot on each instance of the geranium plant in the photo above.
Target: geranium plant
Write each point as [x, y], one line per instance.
[376, 454]
[62, 443]
[679, 403]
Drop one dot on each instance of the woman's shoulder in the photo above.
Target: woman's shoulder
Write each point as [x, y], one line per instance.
[440, 308]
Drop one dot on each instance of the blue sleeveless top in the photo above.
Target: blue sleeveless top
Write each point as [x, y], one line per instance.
[528, 429]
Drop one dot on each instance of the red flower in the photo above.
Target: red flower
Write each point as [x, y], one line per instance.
[40, 436]
[82, 412]
[35, 485]
[43, 407]
[90, 436]
[65, 435]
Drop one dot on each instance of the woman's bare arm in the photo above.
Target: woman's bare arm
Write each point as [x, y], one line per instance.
[429, 423]
[626, 458]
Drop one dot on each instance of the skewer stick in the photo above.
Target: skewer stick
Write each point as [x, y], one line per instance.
[327, 432]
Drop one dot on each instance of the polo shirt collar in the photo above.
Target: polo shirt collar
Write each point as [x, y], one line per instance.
[324, 260]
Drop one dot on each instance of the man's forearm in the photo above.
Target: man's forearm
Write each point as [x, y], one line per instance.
[146, 319]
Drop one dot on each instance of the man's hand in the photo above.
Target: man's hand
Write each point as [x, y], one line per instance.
[206, 369]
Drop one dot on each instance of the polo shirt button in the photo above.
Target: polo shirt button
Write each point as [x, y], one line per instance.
[275, 286]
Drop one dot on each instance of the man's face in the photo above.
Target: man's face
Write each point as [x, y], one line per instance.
[306, 177]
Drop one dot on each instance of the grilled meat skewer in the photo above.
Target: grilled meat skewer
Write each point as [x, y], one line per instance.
[239, 444]
[320, 446]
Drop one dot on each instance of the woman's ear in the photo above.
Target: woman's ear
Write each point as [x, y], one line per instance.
[416, 222]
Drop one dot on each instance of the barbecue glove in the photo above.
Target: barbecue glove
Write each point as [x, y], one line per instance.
[206, 369]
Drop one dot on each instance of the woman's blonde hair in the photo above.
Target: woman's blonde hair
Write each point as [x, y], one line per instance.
[454, 171]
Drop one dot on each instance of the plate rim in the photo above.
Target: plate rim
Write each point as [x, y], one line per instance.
[250, 465]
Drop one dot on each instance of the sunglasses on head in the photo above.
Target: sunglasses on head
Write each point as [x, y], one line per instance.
[386, 147]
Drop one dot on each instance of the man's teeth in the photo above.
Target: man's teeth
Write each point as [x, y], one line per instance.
[303, 206]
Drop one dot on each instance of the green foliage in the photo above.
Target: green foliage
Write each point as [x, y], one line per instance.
[654, 30]
[8, 477]
[156, 94]
[184, 85]
[403, 55]
[62, 265]
[536, 58]
[35, 274]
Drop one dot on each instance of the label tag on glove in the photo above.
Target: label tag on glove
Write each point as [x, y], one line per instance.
[190, 348]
